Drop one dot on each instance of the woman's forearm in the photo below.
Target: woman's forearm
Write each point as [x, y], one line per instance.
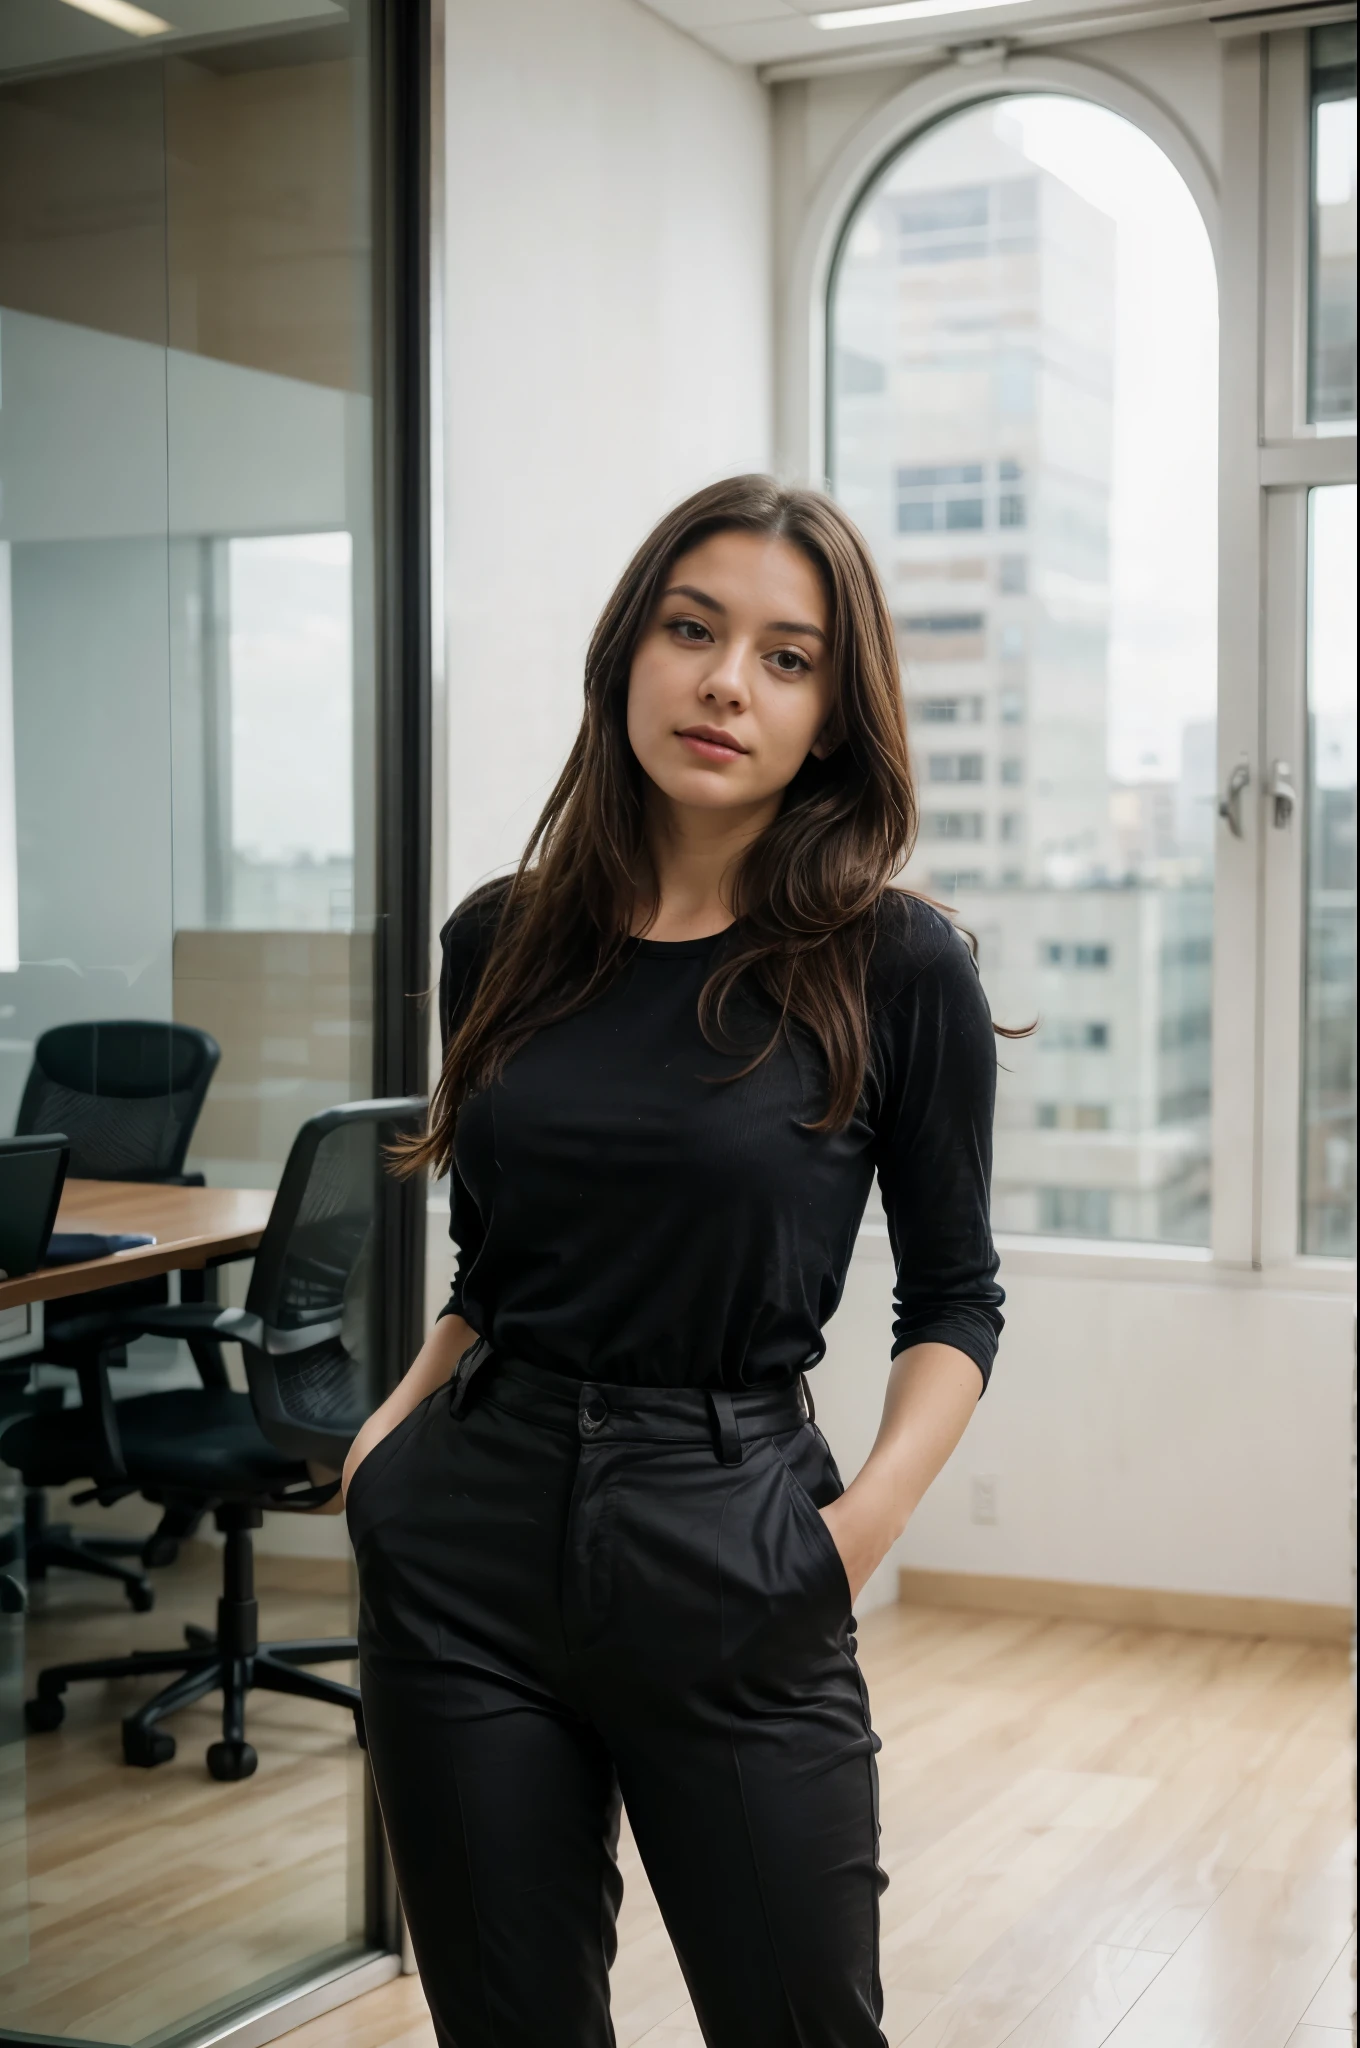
[933, 1390]
[432, 1367]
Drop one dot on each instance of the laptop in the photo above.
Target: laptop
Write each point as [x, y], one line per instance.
[32, 1173]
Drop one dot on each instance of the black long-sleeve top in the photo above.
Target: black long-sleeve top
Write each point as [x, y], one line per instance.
[623, 1214]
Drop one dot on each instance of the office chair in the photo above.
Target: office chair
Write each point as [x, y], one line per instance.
[309, 1337]
[127, 1094]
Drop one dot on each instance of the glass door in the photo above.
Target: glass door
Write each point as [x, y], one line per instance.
[13, 1817]
[192, 331]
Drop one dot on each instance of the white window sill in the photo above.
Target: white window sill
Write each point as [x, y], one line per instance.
[1075, 1258]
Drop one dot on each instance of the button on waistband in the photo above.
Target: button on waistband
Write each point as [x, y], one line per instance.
[594, 1413]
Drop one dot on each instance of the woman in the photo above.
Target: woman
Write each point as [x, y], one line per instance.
[616, 1557]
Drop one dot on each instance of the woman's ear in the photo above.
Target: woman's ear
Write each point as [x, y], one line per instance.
[828, 739]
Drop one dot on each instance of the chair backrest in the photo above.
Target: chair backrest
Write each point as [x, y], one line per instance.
[126, 1093]
[32, 1170]
[315, 1270]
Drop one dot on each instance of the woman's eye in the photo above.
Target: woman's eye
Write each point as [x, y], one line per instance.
[791, 662]
[689, 629]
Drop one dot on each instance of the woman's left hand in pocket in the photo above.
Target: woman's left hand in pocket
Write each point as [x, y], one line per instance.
[861, 1536]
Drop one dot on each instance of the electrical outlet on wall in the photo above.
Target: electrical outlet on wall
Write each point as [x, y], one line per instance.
[984, 1498]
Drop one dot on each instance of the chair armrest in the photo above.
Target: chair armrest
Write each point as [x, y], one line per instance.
[239, 1326]
[244, 1328]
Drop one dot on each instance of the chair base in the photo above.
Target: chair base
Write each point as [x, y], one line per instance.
[231, 1661]
[56, 1545]
[200, 1668]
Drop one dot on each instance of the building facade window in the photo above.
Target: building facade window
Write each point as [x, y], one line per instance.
[941, 636]
[1072, 1116]
[1067, 953]
[1076, 1212]
[1038, 283]
[949, 710]
[951, 825]
[954, 768]
[1076, 1034]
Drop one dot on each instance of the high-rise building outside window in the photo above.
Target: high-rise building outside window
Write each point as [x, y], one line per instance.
[1331, 321]
[1023, 395]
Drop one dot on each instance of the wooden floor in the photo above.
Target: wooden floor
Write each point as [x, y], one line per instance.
[1096, 1838]
[151, 1894]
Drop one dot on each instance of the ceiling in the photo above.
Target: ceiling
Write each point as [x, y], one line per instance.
[59, 35]
[783, 32]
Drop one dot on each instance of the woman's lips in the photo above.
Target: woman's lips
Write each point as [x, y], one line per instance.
[712, 749]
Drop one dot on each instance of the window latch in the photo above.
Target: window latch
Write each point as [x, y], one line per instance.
[1230, 803]
[1280, 790]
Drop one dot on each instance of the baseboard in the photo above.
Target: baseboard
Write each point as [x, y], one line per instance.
[1222, 1614]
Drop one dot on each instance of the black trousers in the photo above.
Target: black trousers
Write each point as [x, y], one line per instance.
[574, 1593]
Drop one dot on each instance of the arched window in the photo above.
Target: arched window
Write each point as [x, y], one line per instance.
[1022, 372]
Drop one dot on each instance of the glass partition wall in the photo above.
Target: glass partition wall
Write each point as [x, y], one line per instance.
[209, 705]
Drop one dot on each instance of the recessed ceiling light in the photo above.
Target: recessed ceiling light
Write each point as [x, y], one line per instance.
[902, 10]
[134, 21]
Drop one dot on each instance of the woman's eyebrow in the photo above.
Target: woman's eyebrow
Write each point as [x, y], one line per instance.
[774, 626]
[699, 596]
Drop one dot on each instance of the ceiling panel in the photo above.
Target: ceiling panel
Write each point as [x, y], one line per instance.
[764, 32]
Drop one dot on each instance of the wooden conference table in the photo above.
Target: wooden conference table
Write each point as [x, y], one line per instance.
[191, 1226]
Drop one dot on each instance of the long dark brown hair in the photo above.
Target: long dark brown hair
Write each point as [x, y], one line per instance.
[807, 893]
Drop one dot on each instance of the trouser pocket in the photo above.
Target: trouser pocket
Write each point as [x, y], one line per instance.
[807, 1510]
[379, 1462]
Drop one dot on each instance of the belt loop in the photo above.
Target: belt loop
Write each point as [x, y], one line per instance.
[471, 1363]
[808, 1401]
[726, 1435]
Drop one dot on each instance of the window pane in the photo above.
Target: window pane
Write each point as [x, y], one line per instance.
[1024, 321]
[1328, 1207]
[289, 779]
[1331, 367]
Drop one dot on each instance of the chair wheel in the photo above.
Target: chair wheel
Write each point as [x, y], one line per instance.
[228, 1761]
[141, 1597]
[44, 1713]
[147, 1747]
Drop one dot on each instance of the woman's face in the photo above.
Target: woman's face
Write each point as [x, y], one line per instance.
[731, 683]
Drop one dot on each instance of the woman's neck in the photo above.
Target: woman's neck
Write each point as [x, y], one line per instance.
[696, 859]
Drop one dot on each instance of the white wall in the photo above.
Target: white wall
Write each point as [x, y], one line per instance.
[1190, 1435]
[608, 350]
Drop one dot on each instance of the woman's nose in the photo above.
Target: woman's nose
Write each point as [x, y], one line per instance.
[725, 681]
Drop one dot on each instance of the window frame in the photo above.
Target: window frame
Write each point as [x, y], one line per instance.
[1257, 213]
[1264, 689]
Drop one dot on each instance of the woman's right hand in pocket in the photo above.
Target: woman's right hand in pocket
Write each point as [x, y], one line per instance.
[365, 1442]
[433, 1367]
